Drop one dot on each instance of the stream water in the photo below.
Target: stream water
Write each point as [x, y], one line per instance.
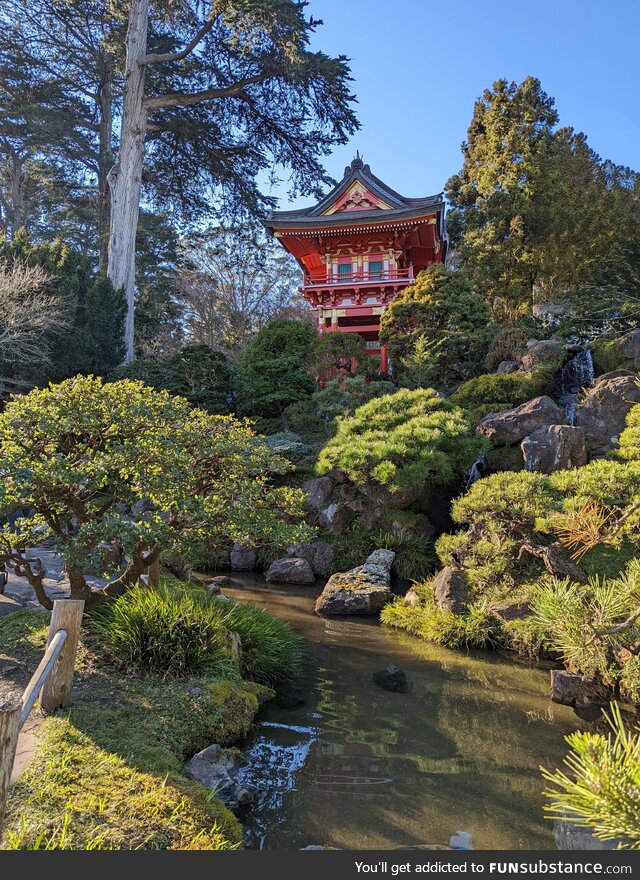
[358, 767]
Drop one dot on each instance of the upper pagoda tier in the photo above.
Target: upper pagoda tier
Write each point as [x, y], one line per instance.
[361, 217]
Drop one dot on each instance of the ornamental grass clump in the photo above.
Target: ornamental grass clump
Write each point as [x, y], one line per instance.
[162, 631]
[408, 439]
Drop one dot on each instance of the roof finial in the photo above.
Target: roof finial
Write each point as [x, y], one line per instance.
[356, 164]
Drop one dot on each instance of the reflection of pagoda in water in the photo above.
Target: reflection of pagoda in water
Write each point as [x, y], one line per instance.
[360, 245]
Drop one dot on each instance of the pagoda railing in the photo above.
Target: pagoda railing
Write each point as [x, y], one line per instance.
[324, 279]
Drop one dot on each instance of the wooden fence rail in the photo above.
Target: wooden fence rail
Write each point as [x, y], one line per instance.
[51, 682]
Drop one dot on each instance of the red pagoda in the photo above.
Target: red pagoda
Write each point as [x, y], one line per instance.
[358, 247]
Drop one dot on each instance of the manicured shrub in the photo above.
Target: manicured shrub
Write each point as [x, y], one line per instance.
[599, 788]
[342, 397]
[509, 344]
[289, 446]
[408, 439]
[630, 437]
[501, 390]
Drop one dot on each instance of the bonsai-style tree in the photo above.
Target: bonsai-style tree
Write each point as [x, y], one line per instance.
[121, 470]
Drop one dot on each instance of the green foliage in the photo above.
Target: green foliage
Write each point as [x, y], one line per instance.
[274, 369]
[474, 629]
[501, 390]
[93, 343]
[509, 344]
[599, 791]
[607, 356]
[82, 452]
[289, 445]
[163, 631]
[340, 352]
[577, 620]
[198, 373]
[271, 651]
[77, 796]
[630, 437]
[410, 439]
[342, 397]
[534, 207]
[415, 557]
[351, 548]
[435, 329]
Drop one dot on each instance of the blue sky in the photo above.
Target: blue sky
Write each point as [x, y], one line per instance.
[418, 66]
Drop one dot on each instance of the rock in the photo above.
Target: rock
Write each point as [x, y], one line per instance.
[291, 570]
[412, 598]
[554, 448]
[548, 352]
[242, 558]
[418, 527]
[392, 679]
[216, 769]
[507, 367]
[513, 425]
[451, 590]
[363, 590]
[569, 836]
[319, 555]
[221, 580]
[318, 491]
[519, 611]
[335, 518]
[603, 411]
[213, 589]
[578, 691]
[629, 348]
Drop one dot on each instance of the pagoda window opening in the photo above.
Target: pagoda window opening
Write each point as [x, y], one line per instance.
[375, 269]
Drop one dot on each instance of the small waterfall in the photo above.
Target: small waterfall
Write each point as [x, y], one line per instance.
[575, 375]
[475, 472]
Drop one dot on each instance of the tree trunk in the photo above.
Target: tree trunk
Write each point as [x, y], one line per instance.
[125, 178]
[105, 157]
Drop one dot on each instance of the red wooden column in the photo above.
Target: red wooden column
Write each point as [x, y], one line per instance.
[384, 359]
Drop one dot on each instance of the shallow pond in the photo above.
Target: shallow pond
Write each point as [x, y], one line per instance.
[358, 767]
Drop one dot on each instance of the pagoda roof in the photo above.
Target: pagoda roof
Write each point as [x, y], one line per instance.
[380, 204]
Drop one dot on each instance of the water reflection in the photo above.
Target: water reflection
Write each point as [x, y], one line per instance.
[358, 767]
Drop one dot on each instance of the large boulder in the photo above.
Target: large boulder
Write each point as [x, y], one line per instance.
[319, 555]
[513, 425]
[451, 590]
[603, 411]
[363, 590]
[554, 448]
[217, 770]
[291, 570]
[547, 352]
[318, 492]
[242, 558]
[629, 348]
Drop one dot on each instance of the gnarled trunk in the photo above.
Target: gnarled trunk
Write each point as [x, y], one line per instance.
[125, 178]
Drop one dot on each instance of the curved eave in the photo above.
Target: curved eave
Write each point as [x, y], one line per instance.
[355, 219]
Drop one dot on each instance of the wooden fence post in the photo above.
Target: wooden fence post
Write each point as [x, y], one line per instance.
[67, 615]
[154, 572]
[9, 729]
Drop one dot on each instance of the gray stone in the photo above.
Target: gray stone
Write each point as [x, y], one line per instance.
[554, 448]
[513, 425]
[335, 518]
[579, 691]
[451, 590]
[550, 352]
[363, 590]
[603, 411]
[418, 527]
[319, 555]
[291, 570]
[629, 348]
[214, 768]
[412, 598]
[569, 836]
[242, 558]
[221, 580]
[507, 367]
[318, 491]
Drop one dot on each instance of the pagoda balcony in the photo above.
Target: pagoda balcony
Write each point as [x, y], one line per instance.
[358, 279]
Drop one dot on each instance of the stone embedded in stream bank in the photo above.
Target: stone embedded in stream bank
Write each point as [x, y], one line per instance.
[603, 412]
[291, 570]
[216, 769]
[451, 590]
[243, 558]
[363, 590]
[578, 691]
[392, 679]
[319, 555]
